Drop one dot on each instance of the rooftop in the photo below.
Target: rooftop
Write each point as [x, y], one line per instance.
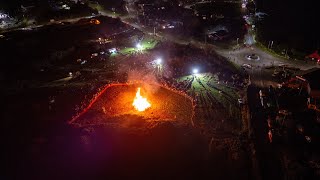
[313, 79]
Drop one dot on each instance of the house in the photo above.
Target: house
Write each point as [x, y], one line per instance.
[314, 56]
[311, 83]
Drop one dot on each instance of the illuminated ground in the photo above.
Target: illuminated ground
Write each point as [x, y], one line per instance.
[113, 106]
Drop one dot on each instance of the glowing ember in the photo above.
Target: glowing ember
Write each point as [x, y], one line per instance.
[140, 103]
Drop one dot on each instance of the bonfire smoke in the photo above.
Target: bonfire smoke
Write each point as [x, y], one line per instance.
[147, 79]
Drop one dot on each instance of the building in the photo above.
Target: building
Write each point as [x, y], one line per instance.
[314, 57]
[311, 83]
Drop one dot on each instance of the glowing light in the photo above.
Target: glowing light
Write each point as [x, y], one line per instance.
[113, 50]
[139, 46]
[195, 71]
[94, 21]
[158, 61]
[140, 103]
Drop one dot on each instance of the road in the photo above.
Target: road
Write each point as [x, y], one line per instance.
[265, 59]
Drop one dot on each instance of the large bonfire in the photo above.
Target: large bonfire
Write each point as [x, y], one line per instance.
[140, 103]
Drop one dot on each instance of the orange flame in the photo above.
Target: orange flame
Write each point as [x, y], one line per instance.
[140, 103]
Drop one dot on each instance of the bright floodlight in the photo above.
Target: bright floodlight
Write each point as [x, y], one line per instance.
[139, 46]
[158, 61]
[113, 50]
[195, 71]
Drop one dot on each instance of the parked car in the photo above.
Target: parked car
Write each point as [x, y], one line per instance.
[252, 57]
[247, 66]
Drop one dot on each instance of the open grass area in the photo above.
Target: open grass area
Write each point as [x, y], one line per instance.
[215, 99]
[125, 51]
[149, 43]
[146, 44]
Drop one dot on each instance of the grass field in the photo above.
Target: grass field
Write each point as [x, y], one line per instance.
[146, 44]
[214, 102]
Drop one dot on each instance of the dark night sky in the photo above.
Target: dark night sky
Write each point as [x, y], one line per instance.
[291, 21]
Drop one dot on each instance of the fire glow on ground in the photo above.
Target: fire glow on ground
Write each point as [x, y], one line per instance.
[115, 104]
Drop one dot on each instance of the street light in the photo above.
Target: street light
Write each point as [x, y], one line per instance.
[195, 71]
[139, 46]
[158, 65]
[159, 61]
